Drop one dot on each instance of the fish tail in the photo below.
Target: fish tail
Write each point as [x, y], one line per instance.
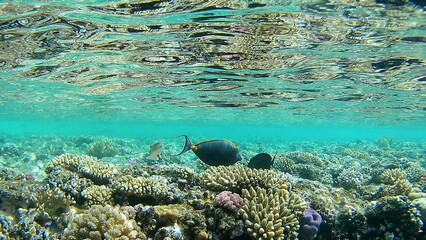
[187, 146]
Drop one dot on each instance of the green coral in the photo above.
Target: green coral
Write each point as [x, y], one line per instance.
[103, 222]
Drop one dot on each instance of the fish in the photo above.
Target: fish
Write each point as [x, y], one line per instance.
[214, 152]
[262, 161]
[155, 150]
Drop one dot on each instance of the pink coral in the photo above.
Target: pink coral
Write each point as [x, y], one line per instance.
[229, 200]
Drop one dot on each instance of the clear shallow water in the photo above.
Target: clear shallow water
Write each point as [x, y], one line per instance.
[265, 63]
[335, 88]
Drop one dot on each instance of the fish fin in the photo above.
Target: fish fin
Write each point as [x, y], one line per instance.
[273, 159]
[187, 146]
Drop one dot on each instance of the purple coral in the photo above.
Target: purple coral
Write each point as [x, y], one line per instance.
[309, 224]
[229, 200]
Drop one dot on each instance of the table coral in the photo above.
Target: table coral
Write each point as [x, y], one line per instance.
[271, 214]
[103, 223]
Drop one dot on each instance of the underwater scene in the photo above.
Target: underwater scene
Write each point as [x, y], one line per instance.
[213, 120]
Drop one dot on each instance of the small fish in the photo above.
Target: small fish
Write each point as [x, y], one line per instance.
[214, 152]
[155, 151]
[262, 161]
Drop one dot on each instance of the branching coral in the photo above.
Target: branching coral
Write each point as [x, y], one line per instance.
[235, 178]
[87, 166]
[103, 223]
[97, 195]
[396, 184]
[391, 176]
[140, 187]
[271, 214]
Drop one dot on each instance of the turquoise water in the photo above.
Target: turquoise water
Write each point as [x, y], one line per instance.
[336, 88]
[279, 63]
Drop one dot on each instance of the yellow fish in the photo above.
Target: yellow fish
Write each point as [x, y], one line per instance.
[155, 150]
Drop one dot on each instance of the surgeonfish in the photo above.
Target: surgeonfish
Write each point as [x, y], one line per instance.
[261, 161]
[214, 152]
[155, 150]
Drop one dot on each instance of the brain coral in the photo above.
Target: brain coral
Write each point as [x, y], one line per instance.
[235, 178]
[103, 223]
[271, 214]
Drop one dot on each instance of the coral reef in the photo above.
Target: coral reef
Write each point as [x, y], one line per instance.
[141, 187]
[229, 200]
[272, 213]
[309, 224]
[393, 216]
[351, 179]
[355, 198]
[98, 195]
[100, 149]
[235, 178]
[102, 222]
[87, 166]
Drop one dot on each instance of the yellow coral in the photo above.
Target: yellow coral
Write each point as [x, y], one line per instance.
[400, 187]
[238, 177]
[271, 214]
[98, 195]
[391, 176]
[140, 186]
[103, 223]
[88, 166]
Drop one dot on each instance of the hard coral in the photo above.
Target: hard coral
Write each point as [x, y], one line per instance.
[86, 166]
[229, 200]
[141, 187]
[393, 216]
[351, 179]
[103, 223]
[391, 176]
[271, 214]
[236, 178]
[100, 149]
[98, 195]
[309, 224]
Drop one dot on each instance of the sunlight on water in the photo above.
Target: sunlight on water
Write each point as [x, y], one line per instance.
[272, 62]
